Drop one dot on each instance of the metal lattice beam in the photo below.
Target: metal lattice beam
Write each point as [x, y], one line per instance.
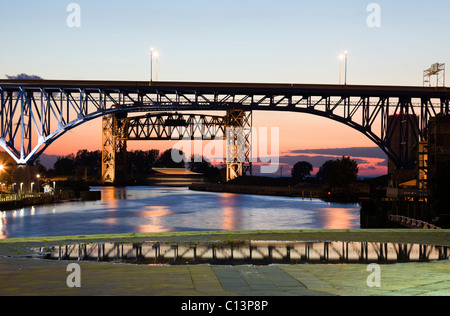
[235, 127]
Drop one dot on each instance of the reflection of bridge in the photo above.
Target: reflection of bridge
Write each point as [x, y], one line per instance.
[35, 113]
[251, 252]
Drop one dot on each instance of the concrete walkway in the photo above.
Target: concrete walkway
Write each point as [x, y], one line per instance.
[25, 277]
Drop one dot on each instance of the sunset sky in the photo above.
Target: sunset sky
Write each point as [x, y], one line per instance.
[282, 41]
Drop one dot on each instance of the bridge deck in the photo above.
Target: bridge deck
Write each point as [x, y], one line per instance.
[271, 88]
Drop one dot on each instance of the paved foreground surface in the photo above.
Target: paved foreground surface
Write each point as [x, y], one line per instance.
[39, 277]
[25, 276]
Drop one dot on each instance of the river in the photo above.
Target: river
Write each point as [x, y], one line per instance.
[164, 209]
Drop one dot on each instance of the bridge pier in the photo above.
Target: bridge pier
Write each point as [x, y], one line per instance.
[238, 135]
[114, 148]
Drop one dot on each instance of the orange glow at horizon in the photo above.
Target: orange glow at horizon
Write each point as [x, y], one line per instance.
[371, 167]
[297, 132]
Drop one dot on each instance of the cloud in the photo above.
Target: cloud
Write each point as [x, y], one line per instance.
[372, 161]
[316, 161]
[24, 77]
[371, 152]
[383, 163]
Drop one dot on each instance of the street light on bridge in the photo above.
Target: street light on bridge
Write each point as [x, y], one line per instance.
[156, 61]
[343, 57]
[153, 55]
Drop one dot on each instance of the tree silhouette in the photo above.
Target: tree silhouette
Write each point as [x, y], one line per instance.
[325, 170]
[344, 172]
[339, 173]
[301, 170]
[171, 158]
[200, 164]
[141, 162]
[65, 166]
[90, 160]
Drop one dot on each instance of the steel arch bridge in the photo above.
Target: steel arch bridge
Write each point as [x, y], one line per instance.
[34, 114]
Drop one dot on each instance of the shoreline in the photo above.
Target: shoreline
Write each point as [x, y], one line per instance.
[26, 202]
[304, 193]
[411, 236]
[47, 199]
[257, 190]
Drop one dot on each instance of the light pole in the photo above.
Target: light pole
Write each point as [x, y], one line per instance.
[38, 184]
[343, 57]
[153, 55]
[156, 60]
[2, 167]
[346, 66]
[151, 65]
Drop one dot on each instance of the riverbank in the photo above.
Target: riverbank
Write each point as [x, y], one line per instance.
[308, 193]
[28, 200]
[406, 236]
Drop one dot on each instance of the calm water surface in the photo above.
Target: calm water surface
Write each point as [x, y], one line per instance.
[161, 209]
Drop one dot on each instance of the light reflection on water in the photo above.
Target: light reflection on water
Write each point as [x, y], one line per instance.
[161, 209]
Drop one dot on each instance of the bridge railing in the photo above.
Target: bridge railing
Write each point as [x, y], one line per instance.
[412, 222]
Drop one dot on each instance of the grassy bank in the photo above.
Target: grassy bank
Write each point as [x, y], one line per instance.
[432, 237]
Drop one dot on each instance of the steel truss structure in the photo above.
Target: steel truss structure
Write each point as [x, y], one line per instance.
[34, 114]
[436, 70]
[235, 128]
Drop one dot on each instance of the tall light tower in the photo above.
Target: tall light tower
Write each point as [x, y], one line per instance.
[437, 70]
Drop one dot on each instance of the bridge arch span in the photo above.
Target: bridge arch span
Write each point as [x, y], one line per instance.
[36, 113]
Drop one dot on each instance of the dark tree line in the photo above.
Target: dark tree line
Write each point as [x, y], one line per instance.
[204, 166]
[139, 163]
[83, 163]
[337, 173]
